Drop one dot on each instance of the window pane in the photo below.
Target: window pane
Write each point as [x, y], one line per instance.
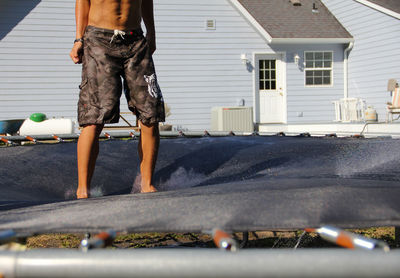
[327, 81]
[328, 56]
[327, 73]
[262, 87]
[273, 74]
[318, 64]
[309, 64]
[273, 85]
[318, 81]
[327, 64]
[261, 64]
[309, 73]
[309, 81]
[309, 56]
[267, 75]
[318, 55]
[318, 73]
[272, 64]
[267, 86]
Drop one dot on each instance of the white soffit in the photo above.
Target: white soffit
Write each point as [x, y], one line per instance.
[379, 8]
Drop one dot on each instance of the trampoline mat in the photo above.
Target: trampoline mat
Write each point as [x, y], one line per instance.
[233, 183]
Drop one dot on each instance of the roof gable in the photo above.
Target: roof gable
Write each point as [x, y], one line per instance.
[283, 21]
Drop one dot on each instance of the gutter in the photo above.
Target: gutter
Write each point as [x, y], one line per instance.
[346, 69]
[310, 40]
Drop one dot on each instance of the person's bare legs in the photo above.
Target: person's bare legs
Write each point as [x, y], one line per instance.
[88, 149]
[149, 141]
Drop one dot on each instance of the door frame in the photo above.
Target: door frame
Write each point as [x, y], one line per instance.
[256, 85]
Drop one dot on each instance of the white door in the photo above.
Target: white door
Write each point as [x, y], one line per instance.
[270, 88]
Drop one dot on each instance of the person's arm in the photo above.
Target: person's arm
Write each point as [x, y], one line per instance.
[148, 19]
[81, 17]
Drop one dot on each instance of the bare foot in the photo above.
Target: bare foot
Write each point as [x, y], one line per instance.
[82, 194]
[148, 189]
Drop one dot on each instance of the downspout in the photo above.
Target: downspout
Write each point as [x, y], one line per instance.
[346, 69]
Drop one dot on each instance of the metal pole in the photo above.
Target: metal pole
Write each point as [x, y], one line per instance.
[177, 263]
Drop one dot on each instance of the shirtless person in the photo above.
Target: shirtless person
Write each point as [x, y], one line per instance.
[110, 45]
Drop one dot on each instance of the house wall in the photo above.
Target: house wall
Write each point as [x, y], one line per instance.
[375, 56]
[197, 68]
[311, 104]
[36, 73]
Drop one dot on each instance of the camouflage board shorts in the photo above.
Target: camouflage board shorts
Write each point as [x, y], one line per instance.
[108, 58]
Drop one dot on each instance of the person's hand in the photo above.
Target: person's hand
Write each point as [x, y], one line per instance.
[76, 53]
[151, 41]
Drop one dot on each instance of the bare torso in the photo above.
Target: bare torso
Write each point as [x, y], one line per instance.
[115, 14]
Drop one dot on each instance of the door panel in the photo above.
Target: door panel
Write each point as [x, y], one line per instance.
[269, 79]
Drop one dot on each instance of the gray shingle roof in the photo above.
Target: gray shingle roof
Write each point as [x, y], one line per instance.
[393, 5]
[281, 19]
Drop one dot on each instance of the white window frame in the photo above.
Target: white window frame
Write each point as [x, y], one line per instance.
[314, 69]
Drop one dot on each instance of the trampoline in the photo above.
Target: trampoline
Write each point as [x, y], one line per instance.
[236, 183]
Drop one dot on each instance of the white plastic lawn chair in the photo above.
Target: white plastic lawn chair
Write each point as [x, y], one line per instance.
[394, 106]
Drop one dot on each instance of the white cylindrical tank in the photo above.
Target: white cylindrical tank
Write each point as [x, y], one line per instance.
[47, 127]
[370, 114]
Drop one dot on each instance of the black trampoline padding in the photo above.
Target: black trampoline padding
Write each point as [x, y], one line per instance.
[233, 183]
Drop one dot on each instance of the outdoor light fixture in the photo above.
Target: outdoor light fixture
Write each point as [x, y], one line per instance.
[243, 57]
[296, 59]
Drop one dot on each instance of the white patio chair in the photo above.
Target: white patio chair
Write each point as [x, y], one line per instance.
[393, 107]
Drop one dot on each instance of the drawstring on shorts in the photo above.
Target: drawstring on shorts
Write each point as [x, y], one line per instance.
[116, 34]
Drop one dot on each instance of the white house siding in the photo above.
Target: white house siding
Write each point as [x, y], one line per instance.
[197, 68]
[200, 68]
[36, 74]
[375, 56]
[311, 104]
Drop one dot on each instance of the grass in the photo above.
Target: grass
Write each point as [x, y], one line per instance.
[259, 239]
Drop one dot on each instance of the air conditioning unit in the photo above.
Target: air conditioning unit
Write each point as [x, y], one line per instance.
[232, 119]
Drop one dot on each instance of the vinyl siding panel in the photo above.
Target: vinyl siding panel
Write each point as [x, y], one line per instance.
[314, 103]
[375, 56]
[197, 68]
[36, 74]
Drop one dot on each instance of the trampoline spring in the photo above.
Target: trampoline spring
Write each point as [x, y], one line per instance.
[59, 139]
[348, 240]
[8, 142]
[358, 136]
[333, 135]
[30, 138]
[101, 240]
[224, 240]
[305, 134]
[206, 133]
